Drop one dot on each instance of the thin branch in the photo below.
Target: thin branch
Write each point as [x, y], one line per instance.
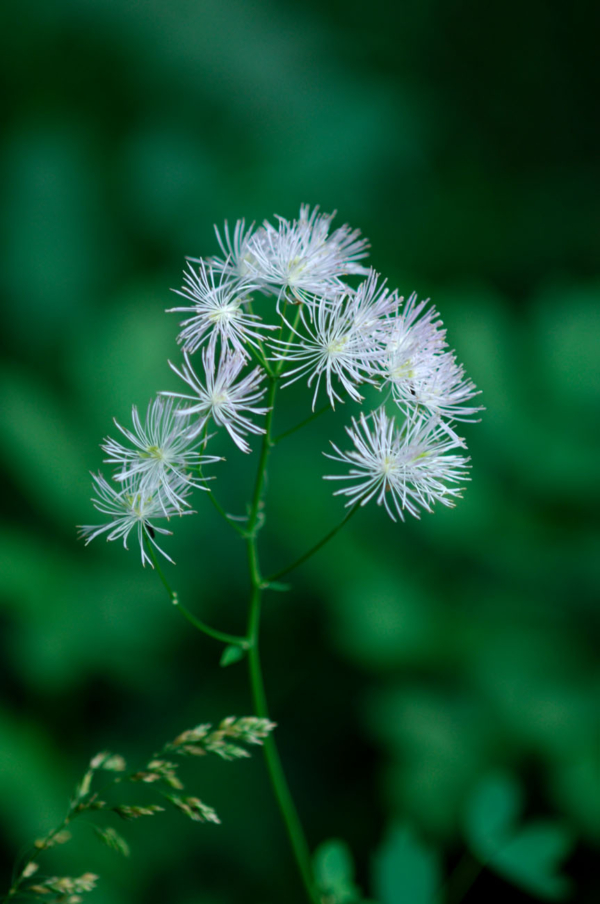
[199, 625]
[307, 555]
[212, 632]
[303, 423]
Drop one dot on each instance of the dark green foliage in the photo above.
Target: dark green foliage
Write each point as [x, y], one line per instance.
[334, 873]
[406, 869]
[530, 855]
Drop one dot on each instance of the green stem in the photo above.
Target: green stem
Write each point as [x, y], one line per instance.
[263, 361]
[303, 423]
[261, 471]
[199, 625]
[291, 332]
[281, 790]
[206, 629]
[240, 530]
[307, 555]
[276, 774]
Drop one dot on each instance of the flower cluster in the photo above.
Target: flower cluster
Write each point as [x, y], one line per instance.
[153, 476]
[281, 303]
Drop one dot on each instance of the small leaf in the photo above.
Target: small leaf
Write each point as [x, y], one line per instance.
[406, 869]
[111, 838]
[333, 863]
[232, 653]
[278, 587]
[334, 872]
[532, 859]
[528, 856]
[492, 812]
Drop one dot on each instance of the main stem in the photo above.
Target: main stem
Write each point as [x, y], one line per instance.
[278, 780]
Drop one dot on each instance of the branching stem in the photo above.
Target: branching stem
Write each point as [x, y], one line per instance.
[199, 625]
[303, 423]
[307, 555]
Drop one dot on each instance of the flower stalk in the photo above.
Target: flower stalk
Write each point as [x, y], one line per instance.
[277, 308]
[279, 783]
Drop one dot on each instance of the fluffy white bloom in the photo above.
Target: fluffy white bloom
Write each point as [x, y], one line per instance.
[129, 508]
[418, 368]
[238, 262]
[164, 454]
[343, 335]
[446, 390]
[329, 342]
[403, 467]
[222, 398]
[303, 257]
[372, 305]
[218, 311]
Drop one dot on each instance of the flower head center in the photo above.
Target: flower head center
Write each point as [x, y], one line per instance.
[156, 452]
[337, 346]
[402, 371]
[219, 398]
[224, 313]
[389, 464]
[136, 504]
[295, 268]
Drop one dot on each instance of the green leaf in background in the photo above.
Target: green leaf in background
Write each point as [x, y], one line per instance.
[334, 872]
[532, 859]
[42, 447]
[405, 869]
[530, 856]
[232, 653]
[576, 789]
[491, 814]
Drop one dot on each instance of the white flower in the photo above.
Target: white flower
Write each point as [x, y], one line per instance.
[372, 304]
[221, 398]
[446, 390]
[337, 339]
[404, 468]
[218, 309]
[237, 263]
[303, 257]
[163, 455]
[420, 371]
[129, 508]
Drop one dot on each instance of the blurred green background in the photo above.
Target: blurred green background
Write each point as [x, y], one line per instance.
[411, 662]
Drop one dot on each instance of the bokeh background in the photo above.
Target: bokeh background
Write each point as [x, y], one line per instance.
[410, 663]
